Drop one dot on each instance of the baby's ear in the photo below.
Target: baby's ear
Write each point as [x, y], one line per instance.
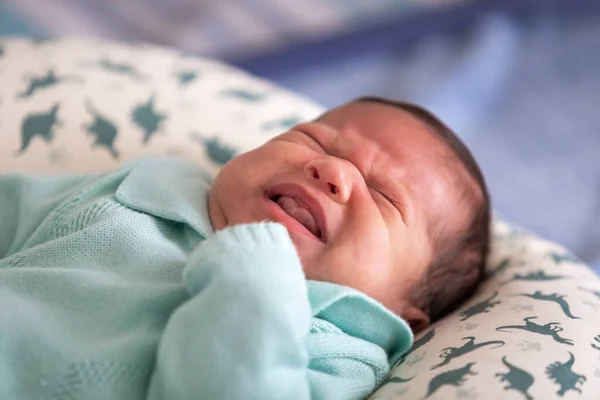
[415, 317]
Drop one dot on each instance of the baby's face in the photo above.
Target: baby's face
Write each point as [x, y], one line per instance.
[356, 190]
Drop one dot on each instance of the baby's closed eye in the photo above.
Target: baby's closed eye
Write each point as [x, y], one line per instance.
[377, 192]
[312, 142]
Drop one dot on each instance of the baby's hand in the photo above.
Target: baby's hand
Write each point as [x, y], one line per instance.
[252, 236]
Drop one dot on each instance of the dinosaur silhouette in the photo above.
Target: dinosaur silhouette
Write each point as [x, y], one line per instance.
[597, 340]
[39, 125]
[501, 267]
[453, 377]
[534, 276]
[480, 308]
[555, 297]
[397, 379]
[48, 80]
[104, 130]
[186, 77]
[120, 68]
[567, 257]
[450, 353]
[243, 94]
[549, 329]
[147, 118]
[597, 294]
[282, 124]
[218, 152]
[518, 379]
[422, 341]
[562, 374]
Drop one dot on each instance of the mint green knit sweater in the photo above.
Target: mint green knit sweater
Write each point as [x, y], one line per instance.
[116, 287]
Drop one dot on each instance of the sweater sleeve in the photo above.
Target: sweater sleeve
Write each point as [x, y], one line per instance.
[243, 333]
[25, 201]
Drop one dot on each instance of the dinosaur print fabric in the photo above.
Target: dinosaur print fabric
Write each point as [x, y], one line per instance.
[88, 105]
[530, 332]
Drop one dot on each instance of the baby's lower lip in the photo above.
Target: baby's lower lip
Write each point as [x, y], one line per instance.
[292, 225]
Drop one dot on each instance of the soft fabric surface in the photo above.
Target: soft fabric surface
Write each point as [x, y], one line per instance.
[87, 105]
[112, 97]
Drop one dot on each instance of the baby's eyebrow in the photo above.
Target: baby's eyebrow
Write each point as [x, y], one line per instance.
[323, 129]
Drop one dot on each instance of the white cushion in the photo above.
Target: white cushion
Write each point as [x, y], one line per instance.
[115, 102]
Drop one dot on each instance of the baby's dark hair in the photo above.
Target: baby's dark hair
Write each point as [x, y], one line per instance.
[459, 257]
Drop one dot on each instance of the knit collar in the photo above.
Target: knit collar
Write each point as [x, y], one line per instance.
[360, 316]
[172, 189]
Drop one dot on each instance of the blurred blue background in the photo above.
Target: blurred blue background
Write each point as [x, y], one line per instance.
[518, 80]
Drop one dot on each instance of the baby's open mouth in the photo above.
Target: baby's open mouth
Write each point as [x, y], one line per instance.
[300, 213]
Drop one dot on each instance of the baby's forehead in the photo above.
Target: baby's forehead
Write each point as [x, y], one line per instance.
[402, 133]
[387, 119]
[400, 147]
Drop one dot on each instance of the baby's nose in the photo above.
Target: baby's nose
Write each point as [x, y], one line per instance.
[332, 177]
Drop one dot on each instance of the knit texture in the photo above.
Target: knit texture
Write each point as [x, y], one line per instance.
[115, 287]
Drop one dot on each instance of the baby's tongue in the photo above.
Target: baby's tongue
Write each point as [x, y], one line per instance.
[301, 214]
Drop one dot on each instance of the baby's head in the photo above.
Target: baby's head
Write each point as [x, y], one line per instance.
[376, 195]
